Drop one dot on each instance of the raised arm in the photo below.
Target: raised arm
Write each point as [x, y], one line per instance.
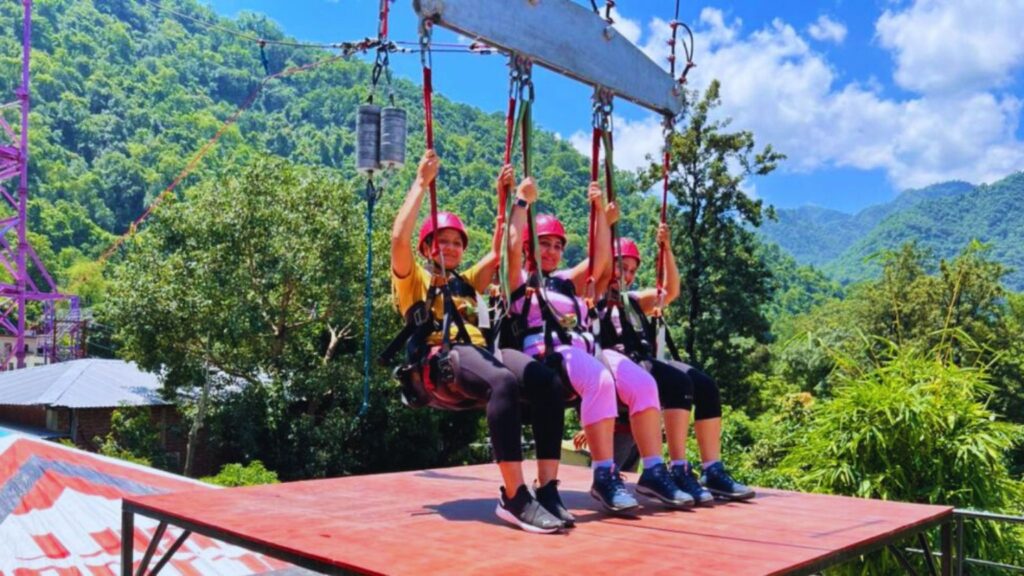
[649, 297]
[490, 261]
[526, 193]
[402, 257]
[602, 249]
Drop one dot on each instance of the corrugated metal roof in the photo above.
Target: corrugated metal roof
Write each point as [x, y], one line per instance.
[30, 431]
[88, 383]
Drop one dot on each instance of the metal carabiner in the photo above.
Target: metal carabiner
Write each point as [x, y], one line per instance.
[426, 29]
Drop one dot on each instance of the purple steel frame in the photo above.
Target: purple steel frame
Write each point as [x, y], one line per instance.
[16, 259]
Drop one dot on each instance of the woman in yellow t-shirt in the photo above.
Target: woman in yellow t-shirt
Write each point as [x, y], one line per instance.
[469, 369]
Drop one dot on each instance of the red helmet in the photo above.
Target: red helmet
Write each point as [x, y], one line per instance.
[626, 248]
[548, 225]
[444, 220]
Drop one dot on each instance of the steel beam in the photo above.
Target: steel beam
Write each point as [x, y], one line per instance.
[127, 541]
[564, 37]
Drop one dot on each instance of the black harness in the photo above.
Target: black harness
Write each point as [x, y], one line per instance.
[637, 341]
[439, 387]
[513, 329]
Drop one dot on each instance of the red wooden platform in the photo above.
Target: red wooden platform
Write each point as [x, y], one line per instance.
[442, 521]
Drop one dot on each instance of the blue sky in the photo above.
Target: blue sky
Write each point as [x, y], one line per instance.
[866, 97]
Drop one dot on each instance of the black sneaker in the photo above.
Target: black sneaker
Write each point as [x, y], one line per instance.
[609, 489]
[687, 482]
[524, 511]
[657, 483]
[548, 497]
[718, 481]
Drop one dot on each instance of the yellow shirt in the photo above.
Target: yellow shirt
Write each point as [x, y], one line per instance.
[413, 288]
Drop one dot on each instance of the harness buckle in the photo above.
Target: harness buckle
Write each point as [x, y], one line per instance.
[446, 370]
[569, 321]
[421, 315]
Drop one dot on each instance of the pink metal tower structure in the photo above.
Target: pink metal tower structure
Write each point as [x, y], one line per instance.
[16, 257]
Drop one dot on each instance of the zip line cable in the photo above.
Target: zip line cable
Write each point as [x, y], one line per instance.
[475, 47]
[214, 26]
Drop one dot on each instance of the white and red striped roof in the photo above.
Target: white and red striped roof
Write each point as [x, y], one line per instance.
[60, 515]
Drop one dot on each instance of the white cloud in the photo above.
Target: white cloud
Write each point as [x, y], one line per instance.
[634, 141]
[630, 29]
[826, 29]
[787, 94]
[954, 45]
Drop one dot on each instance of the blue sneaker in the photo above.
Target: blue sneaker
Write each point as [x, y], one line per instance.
[718, 481]
[609, 489]
[687, 482]
[657, 483]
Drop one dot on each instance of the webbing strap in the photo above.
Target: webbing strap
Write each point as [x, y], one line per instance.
[451, 312]
[518, 129]
[595, 153]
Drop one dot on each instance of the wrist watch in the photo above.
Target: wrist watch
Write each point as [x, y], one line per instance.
[522, 202]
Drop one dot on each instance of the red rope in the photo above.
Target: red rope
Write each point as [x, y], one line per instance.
[510, 121]
[664, 206]
[384, 18]
[609, 185]
[428, 121]
[595, 152]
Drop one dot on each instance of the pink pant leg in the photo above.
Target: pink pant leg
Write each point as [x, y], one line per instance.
[636, 387]
[593, 382]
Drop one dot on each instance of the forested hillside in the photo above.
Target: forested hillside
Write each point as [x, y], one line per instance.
[816, 235]
[992, 213]
[124, 94]
[941, 218]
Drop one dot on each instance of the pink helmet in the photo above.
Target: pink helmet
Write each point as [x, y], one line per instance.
[444, 220]
[627, 249]
[548, 225]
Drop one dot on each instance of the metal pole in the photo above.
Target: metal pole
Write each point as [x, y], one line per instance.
[127, 541]
[20, 272]
[946, 548]
[153, 544]
[960, 546]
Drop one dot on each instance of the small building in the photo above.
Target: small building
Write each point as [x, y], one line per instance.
[35, 351]
[75, 400]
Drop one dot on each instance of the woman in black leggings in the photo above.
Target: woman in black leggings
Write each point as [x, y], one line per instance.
[459, 372]
[681, 387]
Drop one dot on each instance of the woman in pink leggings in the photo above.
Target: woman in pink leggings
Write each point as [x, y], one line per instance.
[553, 320]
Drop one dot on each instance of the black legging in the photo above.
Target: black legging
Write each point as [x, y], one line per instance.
[504, 384]
[680, 386]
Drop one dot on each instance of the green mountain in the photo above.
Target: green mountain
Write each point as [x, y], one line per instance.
[124, 94]
[817, 236]
[991, 213]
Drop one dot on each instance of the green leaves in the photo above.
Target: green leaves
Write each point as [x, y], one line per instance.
[255, 282]
[725, 285]
[916, 429]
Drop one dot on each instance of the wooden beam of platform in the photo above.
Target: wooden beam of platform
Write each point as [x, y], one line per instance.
[442, 521]
[565, 37]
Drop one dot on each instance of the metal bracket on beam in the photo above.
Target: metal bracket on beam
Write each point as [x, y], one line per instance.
[564, 37]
